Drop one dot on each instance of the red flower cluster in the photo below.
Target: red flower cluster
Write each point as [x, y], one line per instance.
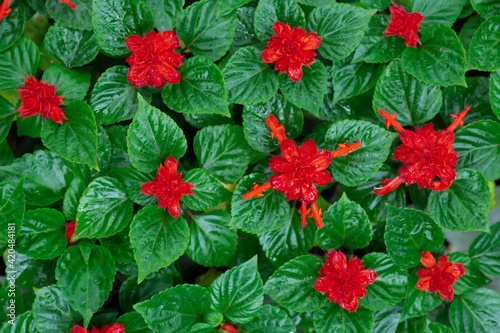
[297, 172]
[40, 98]
[153, 59]
[69, 3]
[290, 49]
[439, 278]
[404, 25]
[70, 231]
[168, 187]
[4, 9]
[228, 328]
[109, 328]
[344, 282]
[425, 154]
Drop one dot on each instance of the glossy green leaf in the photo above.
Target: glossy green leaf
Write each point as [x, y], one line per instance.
[476, 312]
[176, 309]
[376, 4]
[12, 207]
[269, 319]
[238, 292]
[22, 324]
[486, 8]
[208, 192]
[71, 47]
[104, 209]
[52, 313]
[225, 5]
[465, 205]
[434, 12]
[418, 303]
[485, 251]
[494, 92]
[472, 279]
[78, 18]
[120, 247]
[157, 239]
[341, 28]
[30, 126]
[202, 87]
[345, 225]
[409, 232]
[387, 320]
[468, 30]
[7, 115]
[72, 84]
[257, 215]
[245, 33]
[413, 102]
[118, 136]
[291, 286]
[166, 13]
[213, 242]
[333, 318]
[12, 26]
[485, 47]
[268, 12]
[133, 322]
[360, 165]
[132, 180]
[6, 154]
[152, 137]
[17, 63]
[440, 60]
[32, 273]
[85, 275]
[72, 198]
[128, 17]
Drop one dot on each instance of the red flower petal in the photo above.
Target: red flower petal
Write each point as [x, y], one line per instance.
[78, 329]
[113, 328]
[423, 283]
[427, 259]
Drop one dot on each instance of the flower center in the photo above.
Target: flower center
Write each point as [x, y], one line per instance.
[290, 48]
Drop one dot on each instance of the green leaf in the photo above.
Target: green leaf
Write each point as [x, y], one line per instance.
[465, 205]
[30, 126]
[494, 92]
[157, 239]
[468, 30]
[72, 84]
[12, 26]
[439, 60]
[133, 322]
[268, 12]
[120, 247]
[176, 309]
[258, 134]
[375, 47]
[360, 165]
[7, 115]
[437, 12]
[166, 13]
[225, 5]
[413, 102]
[202, 87]
[289, 241]
[389, 287]
[104, 209]
[85, 275]
[485, 251]
[245, 33]
[486, 8]
[12, 207]
[115, 20]
[204, 32]
[208, 192]
[213, 242]
[485, 47]
[476, 312]
[257, 215]
[345, 225]
[308, 93]
[76, 139]
[72, 198]
[78, 18]
[17, 63]
[118, 136]
[71, 47]
[52, 313]
[6, 154]
[22, 324]
[152, 137]
[42, 234]
[336, 319]
[33, 273]
[409, 232]
[341, 28]
[248, 79]
[418, 303]
[472, 279]
[380, 5]
[291, 286]
[132, 180]
[269, 319]
[223, 152]
[387, 320]
[238, 293]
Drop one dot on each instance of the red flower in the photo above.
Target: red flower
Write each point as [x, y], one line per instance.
[297, 172]
[109, 328]
[228, 328]
[344, 282]
[404, 25]
[439, 278]
[168, 187]
[69, 3]
[70, 231]
[4, 9]
[153, 59]
[40, 98]
[290, 49]
[425, 154]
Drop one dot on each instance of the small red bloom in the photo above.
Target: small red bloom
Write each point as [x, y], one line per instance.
[153, 59]
[290, 49]
[40, 98]
[69, 3]
[404, 25]
[439, 278]
[297, 172]
[168, 187]
[70, 231]
[228, 328]
[109, 328]
[344, 282]
[425, 154]
[4, 9]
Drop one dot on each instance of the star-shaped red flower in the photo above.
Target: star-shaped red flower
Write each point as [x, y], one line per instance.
[297, 172]
[290, 48]
[404, 24]
[40, 98]
[109, 328]
[425, 154]
[168, 187]
[344, 283]
[439, 278]
[153, 60]
[4, 9]
[70, 231]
